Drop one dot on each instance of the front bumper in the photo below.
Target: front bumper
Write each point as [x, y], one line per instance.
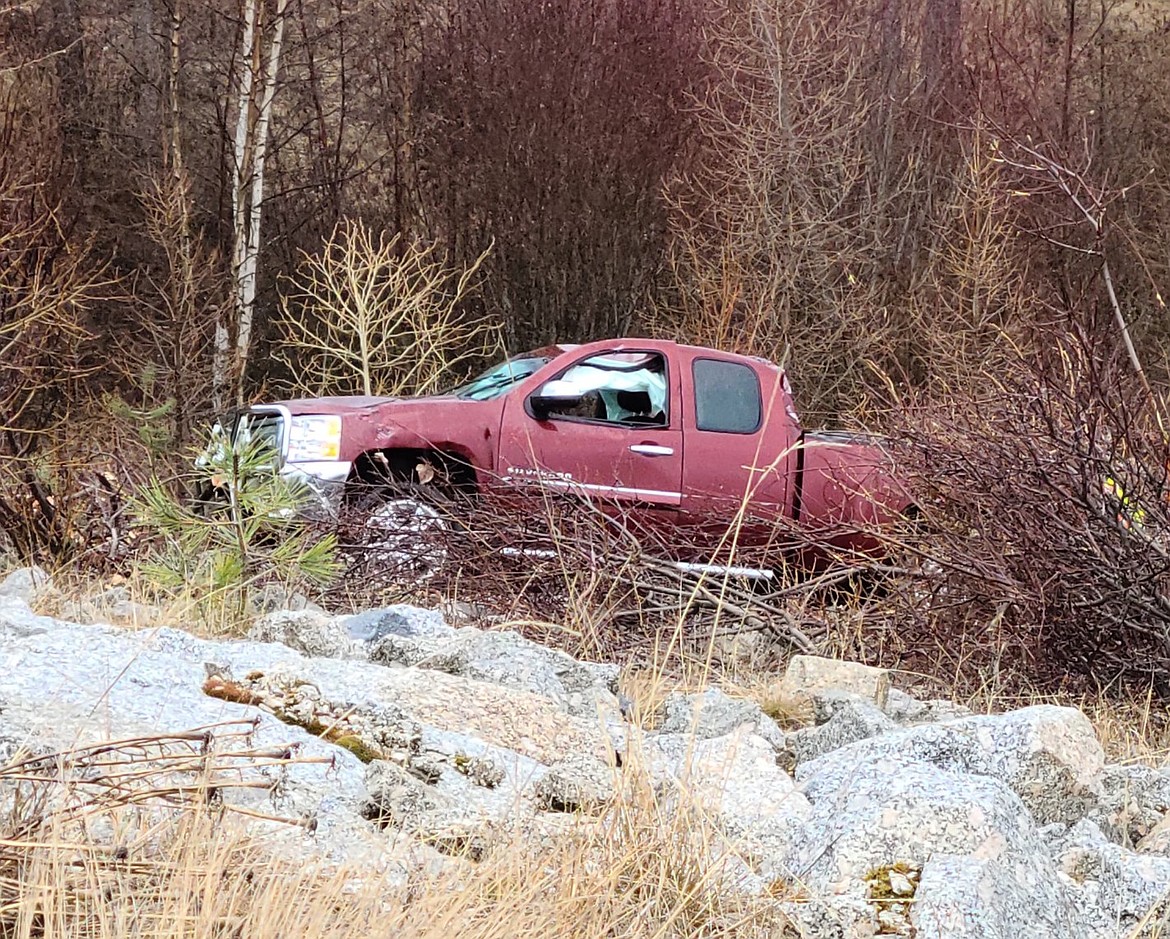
[325, 481]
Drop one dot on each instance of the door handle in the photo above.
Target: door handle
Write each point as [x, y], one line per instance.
[652, 449]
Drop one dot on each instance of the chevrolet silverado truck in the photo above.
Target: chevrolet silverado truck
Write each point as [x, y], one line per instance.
[661, 432]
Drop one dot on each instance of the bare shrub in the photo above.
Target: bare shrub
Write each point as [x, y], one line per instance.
[157, 388]
[378, 316]
[1044, 527]
[47, 286]
[180, 298]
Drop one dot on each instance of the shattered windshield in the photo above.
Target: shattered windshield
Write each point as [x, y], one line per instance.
[500, 379]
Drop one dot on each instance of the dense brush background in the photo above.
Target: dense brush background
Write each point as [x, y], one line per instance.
[948, 218]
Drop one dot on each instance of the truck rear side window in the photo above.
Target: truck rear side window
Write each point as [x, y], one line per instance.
[727, 397]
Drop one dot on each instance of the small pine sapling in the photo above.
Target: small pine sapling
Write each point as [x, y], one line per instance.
[248, 532]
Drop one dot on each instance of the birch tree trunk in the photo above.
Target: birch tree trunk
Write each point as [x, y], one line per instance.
[246, 274]
[221, 360]
[249, 151]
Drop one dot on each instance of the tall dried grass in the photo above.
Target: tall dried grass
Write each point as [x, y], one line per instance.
[99, 843]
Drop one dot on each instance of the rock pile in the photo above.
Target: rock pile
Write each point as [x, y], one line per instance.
[884, 816]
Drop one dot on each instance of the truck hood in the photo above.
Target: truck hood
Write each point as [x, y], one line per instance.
[446, 422]
[352, 404]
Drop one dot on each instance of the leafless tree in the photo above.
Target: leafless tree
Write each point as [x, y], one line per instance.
[549, 129]
[371, 315]
[255, 85]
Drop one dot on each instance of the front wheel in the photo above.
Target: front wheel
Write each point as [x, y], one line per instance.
[405, 535]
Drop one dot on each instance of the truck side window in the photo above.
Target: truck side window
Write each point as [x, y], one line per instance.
[727, 397]
[627, 388]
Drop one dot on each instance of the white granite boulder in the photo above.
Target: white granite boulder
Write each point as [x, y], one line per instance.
[312, 632]
[1049, 756]
[507, 659]
[809, 675]
[30, 584]
[736, 781]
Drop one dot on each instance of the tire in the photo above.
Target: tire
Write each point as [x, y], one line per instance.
[404, 534]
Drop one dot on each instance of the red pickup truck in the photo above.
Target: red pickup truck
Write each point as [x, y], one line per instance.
[672, 433]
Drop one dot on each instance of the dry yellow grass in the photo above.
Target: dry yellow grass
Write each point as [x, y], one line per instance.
[648, 869]
[208, 614]
[646, 878]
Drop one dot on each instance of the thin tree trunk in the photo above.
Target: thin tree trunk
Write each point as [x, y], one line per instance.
[246, 275]
[941, 57]
[221, 364]
[184, 307]
[1069, 42]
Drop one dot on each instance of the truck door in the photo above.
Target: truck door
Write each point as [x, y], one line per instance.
[607, 427]
[741, 449]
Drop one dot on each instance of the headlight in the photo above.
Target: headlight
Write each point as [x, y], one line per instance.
[314, 437]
